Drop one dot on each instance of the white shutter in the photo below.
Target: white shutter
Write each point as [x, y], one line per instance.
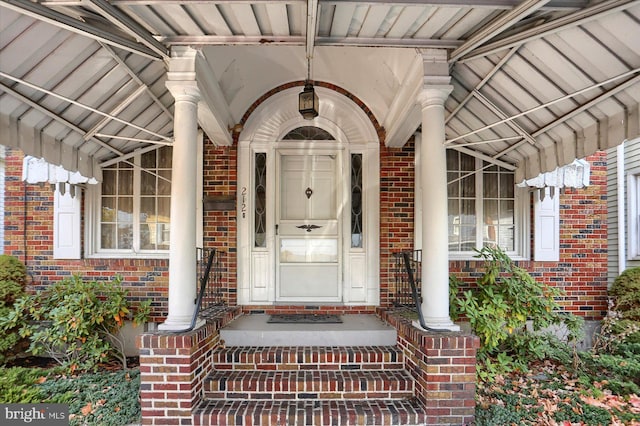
[547, 225]
[66, 223]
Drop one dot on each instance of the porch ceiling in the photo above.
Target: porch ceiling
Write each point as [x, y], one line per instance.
[536, 83]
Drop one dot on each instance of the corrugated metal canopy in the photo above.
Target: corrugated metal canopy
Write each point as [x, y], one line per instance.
[536, 83]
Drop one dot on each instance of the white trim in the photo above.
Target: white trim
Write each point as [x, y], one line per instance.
[547, 225]
[633, 210]
[621, 182]
[92, 228]
[354, 133]
[66, 222]
[522, 207]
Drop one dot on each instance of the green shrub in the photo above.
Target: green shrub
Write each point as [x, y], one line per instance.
[622, 324]
[75, 322]
[625, 294]
[506, 300]
[13, 280]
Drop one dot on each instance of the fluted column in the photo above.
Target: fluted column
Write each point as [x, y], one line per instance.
[435, 237]
[182, 251]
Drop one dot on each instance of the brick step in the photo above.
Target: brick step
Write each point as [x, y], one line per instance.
[313, 413]
[278, 385]
[308, 358]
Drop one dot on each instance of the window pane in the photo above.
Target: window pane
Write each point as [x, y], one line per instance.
[147, 209]
[260, 194]
[312, 250]
[453, 188]
[125, 182]
[467, 163]
[356, 200]
[108, 236]
[490, 185]
[507, 185]
[150, 229]
[165, 157]
[125, 236]
[148, 183]
[148, 160]
[108, 211]
[125, 209]
[164, 182]
[109, 179]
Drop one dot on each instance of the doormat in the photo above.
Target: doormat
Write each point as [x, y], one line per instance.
[304, 319]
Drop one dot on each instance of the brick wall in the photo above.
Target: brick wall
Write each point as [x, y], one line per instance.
[29, 237]
[172, 371]
[220, 227]
[396, 211]
[581, 271]
[443, 366]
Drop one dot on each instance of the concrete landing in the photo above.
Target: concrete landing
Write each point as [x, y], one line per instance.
[355, 330]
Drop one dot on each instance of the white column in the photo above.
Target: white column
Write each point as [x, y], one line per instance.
[182, 251]
[435, 237]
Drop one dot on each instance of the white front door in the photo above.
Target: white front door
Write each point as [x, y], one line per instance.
[308, 243]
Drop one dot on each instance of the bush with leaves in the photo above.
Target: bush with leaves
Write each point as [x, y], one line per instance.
[76, 322]
[13, 280]
[509, 310]
[623, 322]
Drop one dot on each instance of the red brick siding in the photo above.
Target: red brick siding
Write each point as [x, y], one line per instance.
[220, 227]
[29, 212]
[396, 211]
[581, 271]
[444, 369]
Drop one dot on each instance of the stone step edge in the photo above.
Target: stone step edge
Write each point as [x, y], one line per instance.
[307, 385]
[308, 358]
[316, 412]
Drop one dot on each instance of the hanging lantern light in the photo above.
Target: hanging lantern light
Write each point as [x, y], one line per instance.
[308, 104]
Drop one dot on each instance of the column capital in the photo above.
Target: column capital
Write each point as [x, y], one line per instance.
[434, 94]
[184, 90]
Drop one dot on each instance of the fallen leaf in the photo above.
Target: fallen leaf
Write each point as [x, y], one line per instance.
[86, 409]
[41, 380]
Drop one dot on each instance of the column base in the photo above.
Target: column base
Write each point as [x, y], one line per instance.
[437, 325]
[177, 326]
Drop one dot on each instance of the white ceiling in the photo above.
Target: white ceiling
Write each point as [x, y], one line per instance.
[536, 83]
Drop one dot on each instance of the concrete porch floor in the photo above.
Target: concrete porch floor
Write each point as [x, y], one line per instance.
[355, 330]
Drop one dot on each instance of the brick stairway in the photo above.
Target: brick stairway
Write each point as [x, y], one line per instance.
[308, 386]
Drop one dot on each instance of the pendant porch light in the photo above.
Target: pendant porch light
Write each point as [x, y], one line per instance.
[308, 104]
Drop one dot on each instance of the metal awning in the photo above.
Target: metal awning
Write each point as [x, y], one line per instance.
[537, 83]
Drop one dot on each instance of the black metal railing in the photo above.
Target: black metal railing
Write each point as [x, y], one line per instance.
[407, 269]
[210, 279]
[408, 279]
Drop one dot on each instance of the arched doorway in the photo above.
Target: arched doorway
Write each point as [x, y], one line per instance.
[308, 207]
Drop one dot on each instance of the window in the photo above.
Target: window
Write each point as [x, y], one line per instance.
[633, 218]
[482, 205]
[135, 204]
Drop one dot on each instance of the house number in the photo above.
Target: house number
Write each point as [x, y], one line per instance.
[243, 205]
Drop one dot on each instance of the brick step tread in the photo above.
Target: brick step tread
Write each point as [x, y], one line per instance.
[309, 384]
[308, 358]
[312, 413]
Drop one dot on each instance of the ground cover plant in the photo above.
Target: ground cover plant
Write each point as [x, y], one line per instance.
[529, 377]
[108, 397]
